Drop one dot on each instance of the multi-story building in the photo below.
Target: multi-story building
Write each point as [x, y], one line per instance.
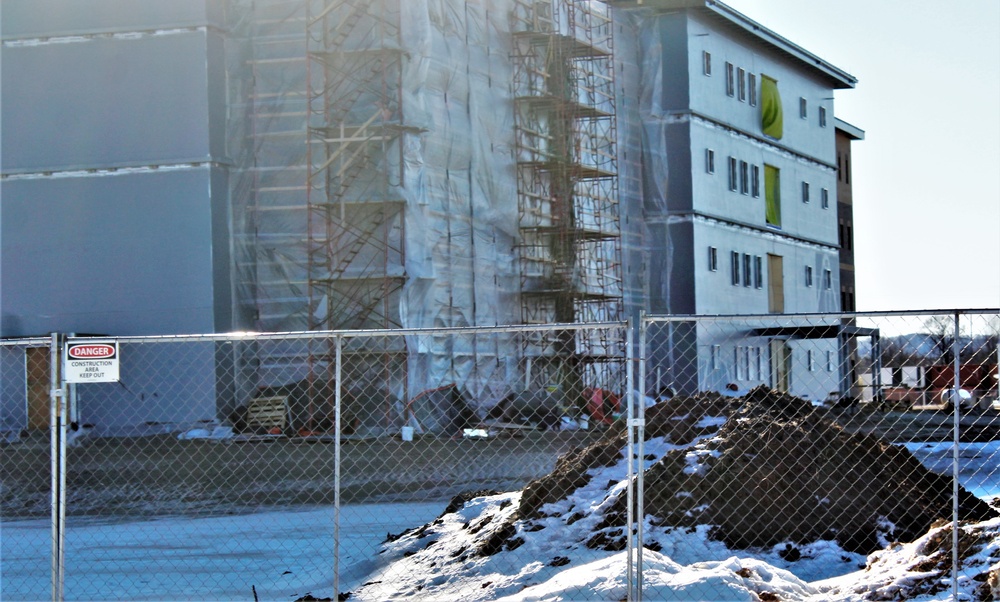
[215, 165]
[741, 206]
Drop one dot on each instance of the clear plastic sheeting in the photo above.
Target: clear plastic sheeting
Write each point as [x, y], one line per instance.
[377, 180]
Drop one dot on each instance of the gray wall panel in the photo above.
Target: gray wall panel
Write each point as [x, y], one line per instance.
[105, 102]
[48, 18]
[123, 255]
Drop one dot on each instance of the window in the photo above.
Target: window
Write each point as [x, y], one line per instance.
[847, 170]
[742, 357]
[829, 361]
[744, 177]
[756, 368]
[753, 90]
[803, 108]
[822, 117]
[840, 168]
[849, 239]
[827, 279]
[732, 173]
[755, 181]
[713, 259]
[706, 62]
[758, 272]
[775, 284]
[811, 360]
[746, 269]
[771, 114]
[772, 196]
[840, 233]
[805, 192]
[735, 267]
[741, 83]
[709, 160]
[716, 353]
[824, 198]
[730, 84]
[809, 275]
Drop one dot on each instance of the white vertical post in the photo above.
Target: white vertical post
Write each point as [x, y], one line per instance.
[630, 453]
[527, 373]
[338, 380]
[640, 453]
[957, 407]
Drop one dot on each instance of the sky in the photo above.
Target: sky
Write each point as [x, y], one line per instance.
[927, 175]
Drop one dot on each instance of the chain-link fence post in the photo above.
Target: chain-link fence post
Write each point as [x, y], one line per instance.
[338, 398]
[57, 432]
[640, 428]
[630, 543]
[956, 439]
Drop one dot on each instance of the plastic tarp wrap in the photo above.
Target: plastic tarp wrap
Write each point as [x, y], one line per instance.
[445, 180]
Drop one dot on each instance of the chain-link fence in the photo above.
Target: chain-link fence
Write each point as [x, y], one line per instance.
[491, 462]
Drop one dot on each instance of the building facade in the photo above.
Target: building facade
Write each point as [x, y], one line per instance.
[228, 165]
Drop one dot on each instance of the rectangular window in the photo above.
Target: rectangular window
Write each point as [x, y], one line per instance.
[809, 275]
[709, 160]
[849, 239]
[824, 198]
[805, 192]
[735, 267]
[775, 284]
[755, 364]
[713, 259]
[827, 279]
[772, 196]
[822, 117]
[732, 173]
[772, 120]
[829, 361]
[811, 360]
[730, 83]
[755, 181]
[744, 177]
[716, 356]
[803, 108]
[742, 357]
[758, 272]
[741, 83]
[706, 62]
[747, 260]
[753, 90]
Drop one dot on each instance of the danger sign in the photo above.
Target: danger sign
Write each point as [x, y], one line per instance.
[91, 362]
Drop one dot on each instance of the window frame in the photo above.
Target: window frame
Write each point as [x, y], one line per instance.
[827, 279]
[709, 161]
[752, 85]
[730, 79]
[744, 177]
[733, 176]
[822, 117]
[755, 181]
[741, 84]
[713, 259]
[803, 108]
[747, 268]
[734, 267]
[706, 63]
[805, 192]
[824, 198]
[809, 276]
[758, 272]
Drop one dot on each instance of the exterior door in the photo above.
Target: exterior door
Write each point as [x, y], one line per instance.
[36, 369]
[781, 365]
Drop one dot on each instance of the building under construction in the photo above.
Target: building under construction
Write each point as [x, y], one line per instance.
[287, 165]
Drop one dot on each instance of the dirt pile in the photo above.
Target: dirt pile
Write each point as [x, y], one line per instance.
[776, 471]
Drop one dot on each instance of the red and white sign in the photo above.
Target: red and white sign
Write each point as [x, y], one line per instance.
[91, 362]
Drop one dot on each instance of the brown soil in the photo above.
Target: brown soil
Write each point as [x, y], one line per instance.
[778, 471]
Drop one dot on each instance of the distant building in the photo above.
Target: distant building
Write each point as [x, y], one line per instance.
[846, 134]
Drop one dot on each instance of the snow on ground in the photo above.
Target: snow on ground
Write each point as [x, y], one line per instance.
[220, 558]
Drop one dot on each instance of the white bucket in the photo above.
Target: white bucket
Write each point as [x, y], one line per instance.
[406, 433]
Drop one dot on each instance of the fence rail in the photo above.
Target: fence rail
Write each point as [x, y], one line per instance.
[274, 465]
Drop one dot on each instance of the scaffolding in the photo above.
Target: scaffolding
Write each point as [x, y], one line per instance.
[567, 186]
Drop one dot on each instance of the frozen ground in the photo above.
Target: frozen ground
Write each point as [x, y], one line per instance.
[226, 558]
